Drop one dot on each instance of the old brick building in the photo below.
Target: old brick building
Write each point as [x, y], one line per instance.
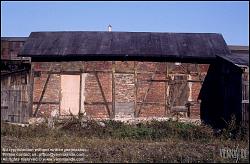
[119, 74]
[107, 74]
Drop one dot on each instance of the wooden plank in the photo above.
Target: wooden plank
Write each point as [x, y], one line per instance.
[151, 103]
[199, 73]
[103, 95]
[113, 88]
[96, 103]
[136, 87]
[166, 85]
[125, 72]
[179, 92]
[30, 91]
[46, 102]
[60, 95]
[107, 71]
[41, 97]
[179, 81]
[81, 89]
[80, 95]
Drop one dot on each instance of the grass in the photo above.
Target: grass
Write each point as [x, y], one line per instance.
[114, 141]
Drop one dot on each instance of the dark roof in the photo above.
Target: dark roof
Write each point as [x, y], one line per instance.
[238, 47]
[15, 39]
[240, 60]
[125, 44]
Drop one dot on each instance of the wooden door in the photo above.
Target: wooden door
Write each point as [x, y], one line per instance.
[178, 91]
[70, 94]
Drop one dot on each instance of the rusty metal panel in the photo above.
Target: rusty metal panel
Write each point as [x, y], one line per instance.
[70, 91]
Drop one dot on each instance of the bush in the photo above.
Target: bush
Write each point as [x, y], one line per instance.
[154, 130]
[30, 131]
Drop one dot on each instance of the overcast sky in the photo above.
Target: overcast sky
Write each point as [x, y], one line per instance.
[231, 19]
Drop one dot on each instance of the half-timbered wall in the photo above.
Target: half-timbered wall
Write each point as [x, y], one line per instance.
[119, 88]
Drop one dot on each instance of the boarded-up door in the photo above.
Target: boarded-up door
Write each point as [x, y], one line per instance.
[70, 92]
[13, 107]
[178, 91]
[124, 95]
[10, 105]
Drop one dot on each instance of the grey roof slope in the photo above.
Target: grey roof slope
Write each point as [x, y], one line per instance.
[237, 59]
[15, 39]
[128, 44]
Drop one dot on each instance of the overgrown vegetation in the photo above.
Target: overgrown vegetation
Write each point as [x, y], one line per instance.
[114, 141]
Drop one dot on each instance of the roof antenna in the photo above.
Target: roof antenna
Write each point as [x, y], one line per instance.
[109, 28]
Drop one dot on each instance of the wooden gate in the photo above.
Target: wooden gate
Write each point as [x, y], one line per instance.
[13, 106]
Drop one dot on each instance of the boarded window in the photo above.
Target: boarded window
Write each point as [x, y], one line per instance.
[70, 92]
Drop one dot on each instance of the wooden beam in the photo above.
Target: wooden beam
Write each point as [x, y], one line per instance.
[125, 72]
[80, 95]
[166, 86]
[178, 81]
[152, 103]
[113, 88]
[103, 95]
[60, 94]
[96, 103]
[41, 97]
[135, 81]
[30, 94]
[199, 73]
[106, 71]
[47, 102]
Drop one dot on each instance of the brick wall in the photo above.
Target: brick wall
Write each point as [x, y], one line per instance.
[95, 104]
[134, 95]
[10, 49]
[51, 96]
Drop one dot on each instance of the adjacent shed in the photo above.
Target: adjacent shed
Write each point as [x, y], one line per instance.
[14, 80]
[225, 91]
[119, 74]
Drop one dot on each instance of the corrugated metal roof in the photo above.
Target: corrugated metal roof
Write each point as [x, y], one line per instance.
[125, 44]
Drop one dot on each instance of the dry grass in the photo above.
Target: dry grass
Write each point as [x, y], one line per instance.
[165, 141]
